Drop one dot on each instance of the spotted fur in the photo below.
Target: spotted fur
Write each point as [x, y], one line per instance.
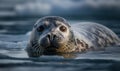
[82, 37]
[94, 36]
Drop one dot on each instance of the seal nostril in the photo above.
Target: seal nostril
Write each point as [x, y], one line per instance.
[48, 36]
[54, 36]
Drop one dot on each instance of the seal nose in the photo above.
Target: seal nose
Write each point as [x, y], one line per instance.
[51, 36]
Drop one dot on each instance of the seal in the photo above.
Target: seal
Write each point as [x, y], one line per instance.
[53, 35]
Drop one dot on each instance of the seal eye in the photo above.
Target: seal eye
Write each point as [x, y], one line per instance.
[63, 28]
[40, 28]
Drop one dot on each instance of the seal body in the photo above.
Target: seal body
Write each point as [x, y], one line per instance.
[90, 35]
[54, 35]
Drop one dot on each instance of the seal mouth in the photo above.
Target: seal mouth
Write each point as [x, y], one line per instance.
[51, 47]
[50, 50]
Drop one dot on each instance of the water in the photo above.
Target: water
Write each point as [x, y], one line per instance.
[13, 56]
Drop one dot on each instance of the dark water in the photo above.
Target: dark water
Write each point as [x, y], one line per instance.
[14, 34]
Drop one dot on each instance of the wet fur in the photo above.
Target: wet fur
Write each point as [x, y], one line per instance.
[82, 37]
[91, 35]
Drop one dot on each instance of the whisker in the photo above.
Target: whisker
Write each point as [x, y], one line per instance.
[34, 46]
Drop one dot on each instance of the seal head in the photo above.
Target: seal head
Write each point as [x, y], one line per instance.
[51, 35]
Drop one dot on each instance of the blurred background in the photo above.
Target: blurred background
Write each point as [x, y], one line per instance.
[18, 16]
